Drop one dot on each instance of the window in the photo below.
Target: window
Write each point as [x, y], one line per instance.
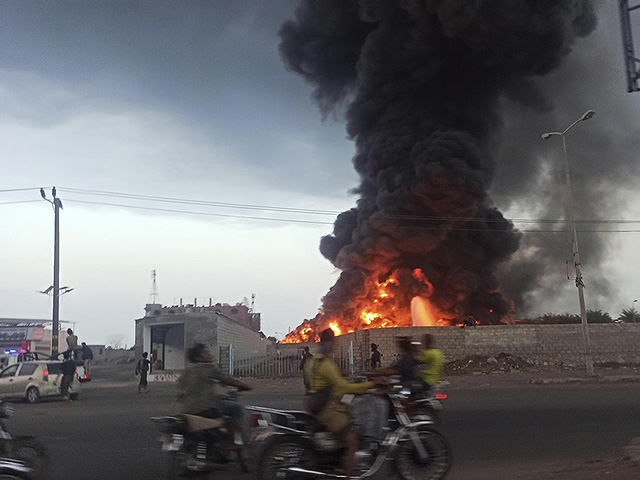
[54, 368]
[234, 311]
[9, 372]
[28, 369]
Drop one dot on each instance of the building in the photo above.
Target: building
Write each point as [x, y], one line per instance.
[23, 334]
[167, 332]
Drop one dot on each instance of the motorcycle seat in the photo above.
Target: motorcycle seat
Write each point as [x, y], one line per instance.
[306, 421]
[197, 424]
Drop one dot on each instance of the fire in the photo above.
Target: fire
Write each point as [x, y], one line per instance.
[400, 300]
[336, 329]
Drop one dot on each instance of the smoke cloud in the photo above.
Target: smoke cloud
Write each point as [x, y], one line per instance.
[423, 84]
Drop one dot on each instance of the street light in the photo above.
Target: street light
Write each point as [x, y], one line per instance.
[633, 310]
[576, 254]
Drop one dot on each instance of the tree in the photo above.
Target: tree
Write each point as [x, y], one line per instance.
[117, 340]
[598, 316]
[629, 315]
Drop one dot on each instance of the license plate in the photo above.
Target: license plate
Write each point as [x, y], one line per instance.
[172, 443]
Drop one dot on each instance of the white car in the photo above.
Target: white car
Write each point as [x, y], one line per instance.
[33, 380]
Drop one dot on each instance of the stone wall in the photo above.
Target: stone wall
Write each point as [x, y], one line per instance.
[554, 344]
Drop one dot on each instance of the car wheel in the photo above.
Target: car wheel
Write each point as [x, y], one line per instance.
[33, 395]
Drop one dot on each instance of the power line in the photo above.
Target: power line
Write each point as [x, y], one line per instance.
[19, 201]
[377, 215]
[20, 189]
[326, 212]
[291, 220]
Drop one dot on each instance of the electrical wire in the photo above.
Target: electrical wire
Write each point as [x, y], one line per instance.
[20, 189]
[290, 210]
[325, 212]
[290, 220]
[19, 201]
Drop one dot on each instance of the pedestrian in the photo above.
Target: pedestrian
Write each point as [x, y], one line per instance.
[87, 356]
[376, 357]
[143, 369]
[67, 370]
[72, 343]
[306, 355]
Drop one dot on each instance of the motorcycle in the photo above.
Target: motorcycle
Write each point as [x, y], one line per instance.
[295, 445]
[14, 470]
[196, 445]
[427, 406]
[22, 453]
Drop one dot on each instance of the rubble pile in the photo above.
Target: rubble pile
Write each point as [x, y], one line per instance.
[477, 364]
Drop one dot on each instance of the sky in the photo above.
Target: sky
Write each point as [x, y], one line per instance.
[191, 101]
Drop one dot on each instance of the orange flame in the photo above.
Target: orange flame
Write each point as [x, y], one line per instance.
[388, 307]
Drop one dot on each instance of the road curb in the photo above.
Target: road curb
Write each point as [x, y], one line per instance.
[596, 379]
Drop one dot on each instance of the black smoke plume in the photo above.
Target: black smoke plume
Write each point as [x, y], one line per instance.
[422, 82]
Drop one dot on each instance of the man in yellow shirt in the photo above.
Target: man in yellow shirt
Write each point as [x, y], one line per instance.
[432, 360]
[322, 372]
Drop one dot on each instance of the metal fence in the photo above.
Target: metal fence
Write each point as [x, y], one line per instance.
[274, 364]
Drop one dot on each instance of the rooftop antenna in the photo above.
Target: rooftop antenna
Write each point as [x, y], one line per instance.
[154, 287]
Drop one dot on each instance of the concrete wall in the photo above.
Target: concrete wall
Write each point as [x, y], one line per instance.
[246, 343]
[554, 344]
[174, 348]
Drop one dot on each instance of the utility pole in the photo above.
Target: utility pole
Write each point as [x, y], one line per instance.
[631, 62]
[574, 242]
[55, 327]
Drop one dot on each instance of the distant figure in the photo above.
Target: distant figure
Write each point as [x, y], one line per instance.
[72, 343]
[143, 369]
[87, 356]
[306, 355]
[469, 322]
[376, 357]
[67, 370]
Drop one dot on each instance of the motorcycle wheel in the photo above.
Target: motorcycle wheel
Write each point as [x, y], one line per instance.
[409, 464]
[175, 466]
[242, 457]
[32, 453]
[281, 453]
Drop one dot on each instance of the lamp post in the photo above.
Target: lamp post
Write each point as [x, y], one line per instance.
[633, 310]
[576, 253]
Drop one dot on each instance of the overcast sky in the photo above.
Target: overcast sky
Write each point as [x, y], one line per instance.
[190, 100]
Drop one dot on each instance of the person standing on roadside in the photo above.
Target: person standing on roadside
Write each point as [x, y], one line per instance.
[306, 355]
[72, 343]
[376, 357]
[143, 369]
[87, 356]
[67, 370]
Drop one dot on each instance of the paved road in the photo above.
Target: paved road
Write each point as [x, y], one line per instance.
[495, 432]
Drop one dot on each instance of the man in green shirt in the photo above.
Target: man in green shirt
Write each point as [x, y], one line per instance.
[334, 416]
[432, 361]
[199, 385]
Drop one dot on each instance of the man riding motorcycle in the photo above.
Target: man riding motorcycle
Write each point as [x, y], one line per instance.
[325, 376]
[198, 390]
[431, 361]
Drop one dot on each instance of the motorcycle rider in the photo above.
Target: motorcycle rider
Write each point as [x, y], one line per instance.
[334, 415]
[198, 390]
[432, 362]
